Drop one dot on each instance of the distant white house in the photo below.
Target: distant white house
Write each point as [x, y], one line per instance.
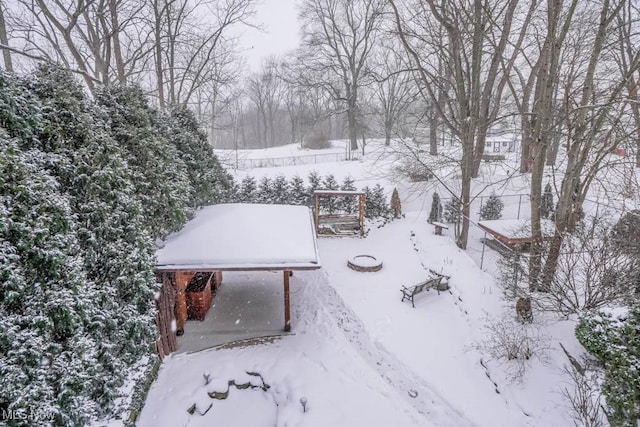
[500, 143]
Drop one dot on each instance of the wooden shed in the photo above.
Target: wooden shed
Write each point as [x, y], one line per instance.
[515, 233]
[236, 237]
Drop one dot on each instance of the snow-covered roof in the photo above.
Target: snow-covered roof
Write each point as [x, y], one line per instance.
[243, 236]
[515, 230]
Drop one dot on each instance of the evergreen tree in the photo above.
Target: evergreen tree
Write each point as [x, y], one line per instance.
[47, 360]
[265, 191]
[85, 190]
[376, 202]
[396, 208]
[546, 206]
[114, 234]
[314, 184]
[492, 209]
[435, 215]
[248, 190]
[280, 190]
[159, 173]
[209, 182]
[297, 192]
[329, 204]
[452, 211]
[348, 204]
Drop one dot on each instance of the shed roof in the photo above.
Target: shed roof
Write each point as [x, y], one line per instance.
[243, 236]
[513, 231]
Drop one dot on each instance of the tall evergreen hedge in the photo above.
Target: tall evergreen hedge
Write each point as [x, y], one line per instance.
[86, 187]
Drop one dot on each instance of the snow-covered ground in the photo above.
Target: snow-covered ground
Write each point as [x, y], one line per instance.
[361, 357]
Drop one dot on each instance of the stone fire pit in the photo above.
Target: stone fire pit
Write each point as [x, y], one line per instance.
[364, 263]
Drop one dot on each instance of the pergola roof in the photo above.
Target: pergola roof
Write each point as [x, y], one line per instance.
[243, 237]
[515, 231]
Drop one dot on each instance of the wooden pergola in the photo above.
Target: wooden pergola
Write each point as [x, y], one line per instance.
[239, 237]
[340, 217]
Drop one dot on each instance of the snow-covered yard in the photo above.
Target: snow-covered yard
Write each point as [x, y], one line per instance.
[360, 356]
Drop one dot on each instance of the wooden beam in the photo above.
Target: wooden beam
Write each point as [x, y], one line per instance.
[361, 207]
[182, 278]
[287, 310]
[316, 213]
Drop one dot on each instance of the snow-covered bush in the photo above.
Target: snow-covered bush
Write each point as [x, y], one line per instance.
[492, 209]
[317, 141]
[513, 277]
[547, 204]
[248, 190]
[376, 202]
[513, 343]
[453, 211]
[265, 191]
[435, 215]
[298, 194]
[611, 335]
[625, 234]
[348, 204]
[280, 191]
[592, 272]
[584, 396]
[329, 204]
[396, 207]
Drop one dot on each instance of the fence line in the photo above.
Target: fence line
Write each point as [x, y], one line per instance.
[270, 162]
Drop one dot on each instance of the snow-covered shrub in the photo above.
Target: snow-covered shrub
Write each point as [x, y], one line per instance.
[513, 278]
[329, 204]
[592, 272]
[584, 397]
[298, 194]
[453, 211]
[435, 215]
[625, 234]
[396, 207]
[348, 204]
[611, 335]
[280, 190]
[492, 209]
[248, 190]
[317, 141]
[547, 204]
[376, 202]
[265, 191]
[513, 343]
[315, 183]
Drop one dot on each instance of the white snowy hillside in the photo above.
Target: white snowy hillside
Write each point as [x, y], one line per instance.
[357, 354]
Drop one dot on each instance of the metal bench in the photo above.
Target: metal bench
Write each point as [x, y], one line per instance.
[439, 227]
[409, 293]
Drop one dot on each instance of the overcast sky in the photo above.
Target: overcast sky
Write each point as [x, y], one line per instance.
[279, 17]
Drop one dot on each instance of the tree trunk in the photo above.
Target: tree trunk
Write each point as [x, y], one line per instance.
[158, 55]
[352, 122]
[6, 54]
[117, 48]
[433, 131]
[535, 261]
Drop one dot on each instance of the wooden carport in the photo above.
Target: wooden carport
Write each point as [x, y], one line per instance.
[239, 237]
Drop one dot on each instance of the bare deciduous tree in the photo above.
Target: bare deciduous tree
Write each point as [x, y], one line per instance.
[477, 34]
[338, 38]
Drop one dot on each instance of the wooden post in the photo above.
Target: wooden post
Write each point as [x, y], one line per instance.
[361, 208]
[287, 312]
[316, 212]
[182, 278]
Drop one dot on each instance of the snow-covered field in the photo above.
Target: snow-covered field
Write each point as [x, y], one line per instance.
[361, 357]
